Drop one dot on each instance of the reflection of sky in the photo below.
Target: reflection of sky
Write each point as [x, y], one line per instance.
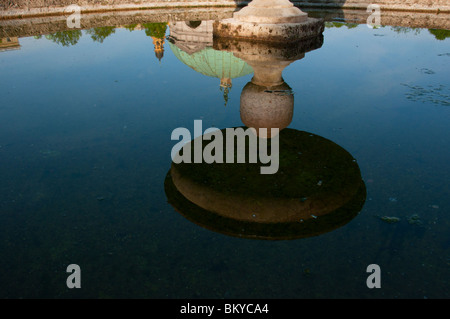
[353, 90]
[90, 78]
[375, 64]
[361, 70]
[358, 72]
[115, 102]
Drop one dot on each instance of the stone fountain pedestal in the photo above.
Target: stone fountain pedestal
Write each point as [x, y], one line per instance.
[269, 21]
[267, 101]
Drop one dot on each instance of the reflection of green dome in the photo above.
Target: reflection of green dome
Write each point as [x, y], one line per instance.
[215, 63]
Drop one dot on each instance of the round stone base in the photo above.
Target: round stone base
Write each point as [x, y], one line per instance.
[266, 32]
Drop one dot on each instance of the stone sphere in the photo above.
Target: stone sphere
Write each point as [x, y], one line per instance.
[267, 107]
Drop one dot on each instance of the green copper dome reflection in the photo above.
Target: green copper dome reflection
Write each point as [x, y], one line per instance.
[214, 63]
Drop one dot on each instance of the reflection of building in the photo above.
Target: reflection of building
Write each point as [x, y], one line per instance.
[191, 42]
[157, 32]
[7, 44]
[191, 36]
[159, 47]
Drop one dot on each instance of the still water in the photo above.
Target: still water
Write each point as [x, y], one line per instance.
[86, 119]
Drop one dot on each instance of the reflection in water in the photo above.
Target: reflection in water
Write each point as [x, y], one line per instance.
[82, 176]
[156, 31]
[101, 33]
[267, 101]
[318, 185]
[65, 38]
[432, 94]
[192, 43]
[193, 32]
[317, 188]
[439, 34]
[9, 43]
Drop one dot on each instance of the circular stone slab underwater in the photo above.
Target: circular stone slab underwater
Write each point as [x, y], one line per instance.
[317, 188]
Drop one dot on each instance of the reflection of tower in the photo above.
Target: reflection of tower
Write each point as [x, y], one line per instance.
[225, 86]
[159, 47]
[157, 31]
[192, 41]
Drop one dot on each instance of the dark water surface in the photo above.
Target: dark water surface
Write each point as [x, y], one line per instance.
[85, 143]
